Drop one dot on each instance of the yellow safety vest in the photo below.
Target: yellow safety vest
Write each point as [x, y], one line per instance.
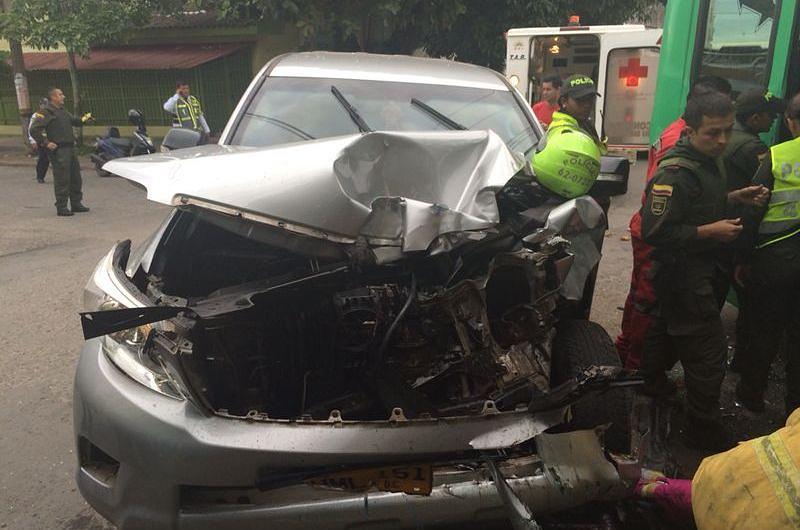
[783, 213]
[753, 486]
[188, 112]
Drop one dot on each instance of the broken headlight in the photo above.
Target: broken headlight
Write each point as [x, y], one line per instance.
[128, 349]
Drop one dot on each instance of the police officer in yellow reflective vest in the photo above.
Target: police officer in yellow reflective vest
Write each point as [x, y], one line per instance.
[186, 110]
[577, 100]
[770, 269]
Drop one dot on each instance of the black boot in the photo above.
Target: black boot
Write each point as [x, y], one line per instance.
[63, 211]
[79, 208]
[707, 435]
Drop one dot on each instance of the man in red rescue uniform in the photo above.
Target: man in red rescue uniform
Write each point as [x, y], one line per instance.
[636, 318]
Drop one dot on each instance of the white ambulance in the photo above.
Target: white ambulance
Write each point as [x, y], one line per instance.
[622, 60]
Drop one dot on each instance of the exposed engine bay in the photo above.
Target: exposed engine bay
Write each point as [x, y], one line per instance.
[422, 336]
[425, 281]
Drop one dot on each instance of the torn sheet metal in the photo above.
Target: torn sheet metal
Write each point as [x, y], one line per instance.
[441, 182]
[404, 189]
[583, 223]
[519, 513]
[575, 463]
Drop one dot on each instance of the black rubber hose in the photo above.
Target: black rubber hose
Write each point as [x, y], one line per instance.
[386, 338]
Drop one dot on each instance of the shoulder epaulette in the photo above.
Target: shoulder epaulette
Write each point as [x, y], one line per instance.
[679, 162]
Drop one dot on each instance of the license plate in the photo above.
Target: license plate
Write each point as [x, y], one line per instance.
[411, 479]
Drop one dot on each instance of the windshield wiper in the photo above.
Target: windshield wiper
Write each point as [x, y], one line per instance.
[285, 126]
[438, 116]
[351, 110]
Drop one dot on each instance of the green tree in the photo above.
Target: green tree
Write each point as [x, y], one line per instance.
[75, 25]
[471, 30]
[352, 25]
[477, 34]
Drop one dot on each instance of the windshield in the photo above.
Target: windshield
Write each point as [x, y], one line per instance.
[291, 109]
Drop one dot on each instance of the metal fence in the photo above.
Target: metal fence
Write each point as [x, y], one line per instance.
[108, 94]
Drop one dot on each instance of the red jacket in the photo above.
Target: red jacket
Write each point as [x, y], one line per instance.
[544, 112]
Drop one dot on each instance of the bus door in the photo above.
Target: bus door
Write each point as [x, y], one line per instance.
[628, 88]
[736, 42]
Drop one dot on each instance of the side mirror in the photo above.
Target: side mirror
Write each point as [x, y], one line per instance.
[613, 178]
[178, 138]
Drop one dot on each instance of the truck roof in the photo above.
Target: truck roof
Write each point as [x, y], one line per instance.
[395, 68]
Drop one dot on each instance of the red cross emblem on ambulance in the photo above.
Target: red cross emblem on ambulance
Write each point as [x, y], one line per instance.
[632, 72]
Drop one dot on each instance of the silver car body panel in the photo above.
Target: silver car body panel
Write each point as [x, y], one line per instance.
[144, 432]
[391, 68]
[398, 189]
[582, 222]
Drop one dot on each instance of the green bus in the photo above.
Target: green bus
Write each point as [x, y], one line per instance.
[751, 43]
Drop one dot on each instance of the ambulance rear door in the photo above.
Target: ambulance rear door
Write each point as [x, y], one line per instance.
[628, 87]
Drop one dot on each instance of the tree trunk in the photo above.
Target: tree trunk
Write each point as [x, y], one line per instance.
[20, 80]
[76, 91]
[363, 36]
[21, 87]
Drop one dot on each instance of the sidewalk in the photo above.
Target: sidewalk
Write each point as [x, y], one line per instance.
[13, 153]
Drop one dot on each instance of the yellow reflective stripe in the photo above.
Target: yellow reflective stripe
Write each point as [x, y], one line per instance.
[188, 105]
[786, 236]
[782, 472]
[191, 113]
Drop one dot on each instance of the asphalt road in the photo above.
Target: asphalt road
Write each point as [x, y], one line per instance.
[44, 264]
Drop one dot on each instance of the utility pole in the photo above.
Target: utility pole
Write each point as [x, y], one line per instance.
[20, 80]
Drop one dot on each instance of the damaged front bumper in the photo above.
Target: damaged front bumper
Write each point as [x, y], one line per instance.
[149, 461]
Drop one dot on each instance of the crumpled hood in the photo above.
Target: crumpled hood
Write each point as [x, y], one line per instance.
[395, 189]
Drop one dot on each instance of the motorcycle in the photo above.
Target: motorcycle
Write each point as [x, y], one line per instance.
[111, 145]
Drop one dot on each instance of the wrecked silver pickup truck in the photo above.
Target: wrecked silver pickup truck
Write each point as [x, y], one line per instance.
[378, 336]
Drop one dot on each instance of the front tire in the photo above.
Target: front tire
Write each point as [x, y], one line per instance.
[578, 345]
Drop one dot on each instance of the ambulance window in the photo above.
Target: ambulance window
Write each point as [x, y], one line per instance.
[629, 93]
[562, 55]
[735, 44]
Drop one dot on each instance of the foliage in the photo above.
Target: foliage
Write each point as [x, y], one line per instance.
[365, 25]
[471, 30]
[477, 35]
[73, 24]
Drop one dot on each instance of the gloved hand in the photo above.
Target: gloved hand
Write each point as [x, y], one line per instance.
[87, 118]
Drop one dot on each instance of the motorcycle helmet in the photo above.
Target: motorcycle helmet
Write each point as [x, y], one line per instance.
[567, 162]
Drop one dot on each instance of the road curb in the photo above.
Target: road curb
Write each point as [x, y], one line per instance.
[32, 165]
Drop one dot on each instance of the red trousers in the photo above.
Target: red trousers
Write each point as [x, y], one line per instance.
[636, 318]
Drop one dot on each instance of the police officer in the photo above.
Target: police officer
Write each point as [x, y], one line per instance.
[52, 130]
[756, 110]
[641, 299]
[577, 99]
[773, 282]
[42, 154]
[186, 109]
[684, 219]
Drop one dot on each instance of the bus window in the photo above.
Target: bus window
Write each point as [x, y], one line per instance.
[736, 43]
[629, 93]
[562, 55]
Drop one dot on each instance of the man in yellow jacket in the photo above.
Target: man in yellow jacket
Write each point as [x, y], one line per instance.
[753, 486]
